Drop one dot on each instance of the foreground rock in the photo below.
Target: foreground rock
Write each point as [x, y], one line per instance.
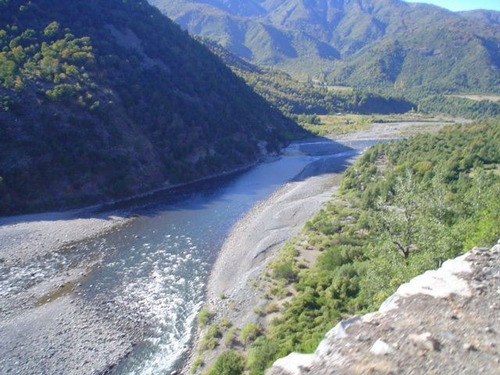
[441, 322]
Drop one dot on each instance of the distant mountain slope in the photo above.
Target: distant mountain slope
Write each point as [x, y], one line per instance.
[102, 99]
[386, 44]
[293, 97]
[482, 15]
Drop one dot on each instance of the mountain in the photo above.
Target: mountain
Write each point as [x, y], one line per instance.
[103, 99]
[294, 97]
[382, 44]
[483, 15]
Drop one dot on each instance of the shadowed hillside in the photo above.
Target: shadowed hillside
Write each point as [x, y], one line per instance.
[294, 97]
[105, 99]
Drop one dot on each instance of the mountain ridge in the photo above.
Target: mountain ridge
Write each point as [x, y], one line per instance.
[294, 98]
[385, 44]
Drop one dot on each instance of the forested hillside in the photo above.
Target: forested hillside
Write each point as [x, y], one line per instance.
[387, 45]
[102, 99]
[293, 97]
[404, 207]
[482, 15]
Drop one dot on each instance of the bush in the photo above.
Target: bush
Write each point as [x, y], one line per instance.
[261, 355]
[198, 362]
[249, 332]
[225, 323]
[228, 363]
[211, 338]
[204, 317]
[285, 271]
[230, 338]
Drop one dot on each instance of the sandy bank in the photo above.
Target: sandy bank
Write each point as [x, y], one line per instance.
[266, 227]
[253, 242]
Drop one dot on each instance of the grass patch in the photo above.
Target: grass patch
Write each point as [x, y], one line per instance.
[211, 338]
[338, 124]
[204, 317]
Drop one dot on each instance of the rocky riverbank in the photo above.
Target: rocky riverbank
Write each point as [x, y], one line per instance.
[43, 320]
[26, 237]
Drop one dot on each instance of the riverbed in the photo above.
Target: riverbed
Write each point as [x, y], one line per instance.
[116, 289]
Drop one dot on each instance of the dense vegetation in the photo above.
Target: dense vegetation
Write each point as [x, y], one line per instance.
[404, 207]
[388, 45]
[102, 99]
[295, 98]
[301, 100]
[459, 107]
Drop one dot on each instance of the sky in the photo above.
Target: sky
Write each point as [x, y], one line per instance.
[457, 5]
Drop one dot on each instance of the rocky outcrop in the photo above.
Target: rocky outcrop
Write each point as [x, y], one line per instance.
[441, 322]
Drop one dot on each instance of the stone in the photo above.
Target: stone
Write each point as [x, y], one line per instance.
[294, 363]
[469, 347]
[381, 348]
[339, 331]
[362, 337]
[425, 341]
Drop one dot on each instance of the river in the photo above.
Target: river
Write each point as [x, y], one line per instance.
[154, 270]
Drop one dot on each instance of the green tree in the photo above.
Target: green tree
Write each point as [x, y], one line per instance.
[51, 29]
[399, 215]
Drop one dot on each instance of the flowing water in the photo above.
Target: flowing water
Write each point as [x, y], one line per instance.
[155, 268]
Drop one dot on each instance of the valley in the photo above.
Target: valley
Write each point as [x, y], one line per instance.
[205, 187]
[83, 269]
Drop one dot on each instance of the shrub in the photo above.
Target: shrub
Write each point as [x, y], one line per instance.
[271, 308]
[211, 338]
[285, 271]
[225, 323]
[204, 317]
[249, 332]
[261, 355]
[198, 362]
[228, 363]
[230, 338]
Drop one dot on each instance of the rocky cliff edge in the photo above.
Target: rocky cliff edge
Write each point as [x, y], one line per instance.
[444, 321]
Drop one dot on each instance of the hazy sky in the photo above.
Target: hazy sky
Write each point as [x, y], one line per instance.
[457, 5]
